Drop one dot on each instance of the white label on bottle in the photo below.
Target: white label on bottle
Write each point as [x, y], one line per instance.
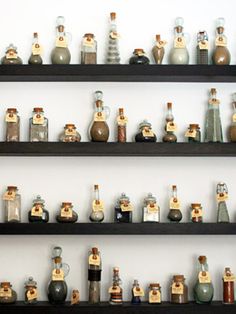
[148, 133]
[98, 206]
[5, 293]
[94, 260]
[221, 41]
[37, 211]
[177, 288]
[152, 209]
[203, 45]
[32, 294]
[38, 118]
[114, 35]
[66, 212]
[70, 132]
[196, 213]
[229, 278]
[9, 196]
[154, 297]
[36, 50]
[11, 117]
[122, 121]
[221, 197]
[126, 208]
[99, 117]
[191, 133]
[180, 42]
[138, 292]
[61, 42]
[57, 275]
[171, 127]
[234, 118]
[75, 297]
[161, 44]
[114, 290]
[11, 55]
[204, 277]
[214, 102]
[88, 42]
[174, 203]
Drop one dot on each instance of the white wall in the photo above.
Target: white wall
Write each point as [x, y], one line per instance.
[147, 258]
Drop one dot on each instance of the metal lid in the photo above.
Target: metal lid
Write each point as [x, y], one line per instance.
[123, 198]
[144, 124]
[150, 198]
[11, 47]
[38, 200]
[30, 282]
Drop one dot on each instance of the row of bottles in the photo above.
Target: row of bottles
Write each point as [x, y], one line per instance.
[122, 211]
[178, 54]
[57, 289]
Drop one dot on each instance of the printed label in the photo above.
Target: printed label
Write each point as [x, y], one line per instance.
[32, 294]
[174, 203]
[161, 44]
[66, 212]
[180, 42]
[171, 127]
[221, 197]
[94, 260]
[123, 121]
[38, 118]
[99, 117]
[148, 133]
[11, 117]
[88, 42]
[204, 277]
[214, 102]
[138, 292]
[9, 196]
[152, 209]
[177, 288]
[57, 275]
[36, 50]
[126, 208]
[98, 207]
[204, 45]
[221, 41]
[75, 297]
[196, 213]
[5, 293]
[70, 132]
[154, 297]
[37, 211]
[191, 133]
[114, 290]
[61, 42]
[230, 278]
[11, 55]
[114, 35]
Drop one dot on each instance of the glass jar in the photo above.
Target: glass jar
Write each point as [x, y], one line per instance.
[139, 57]
[222, 196]
[122, 125]
[31, 291]
[158, 50]
[193, 133]
[7, 294]
[203, 289]
[232, 128]
[137, 293]
[145, 133]
[116, 292]
[170, 126]
[175, 214]
[221, 54]
[12, 204]
[67, 214]
[12, 120]
[38, 213]
[178, 290]
[38, 126]
[94, 275]
[113, 53]
[89, 49]
[123, 209]
[11, 56]
[36, 51]
[70, 134]
[228, 286]
[196, 212]
[97, 214]
[151, 211]
[154, 296]
[202, 47]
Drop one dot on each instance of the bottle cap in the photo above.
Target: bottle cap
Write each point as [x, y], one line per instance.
[38, 109]
[38, 200]
[11, 110]
[202, 259]
[138, 51]
[113, 15]
[158, 37]
[178, 278]
[90, 35]
[144, 124]
[70, 126]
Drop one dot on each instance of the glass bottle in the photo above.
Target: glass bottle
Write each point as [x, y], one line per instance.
[116, 292]
[31, 291]
[11, 56]
[154, 296]
[12, 204]
[196, 212]
[89, 49]
[12, 120]
[94, 275]
[7, 294]
[38, 126]
[193, 133]
[139, 57]
[123, 209]
[99, 130]
[67, 214]
[121, 126]
[137, 293]
[151, 211]
[145, 133]
[228, 286]
[158, 50]
[178, 290]
[61, 54]
[221, 54]
[232, 128]
[179, 53]
[175, 214]
[69, 134]
[213, 127]
[202, 47]
[38, 213]
[170, 126]
[36, 51]
[97, 214]
[113, 53]
[222, 196]
[57, 289]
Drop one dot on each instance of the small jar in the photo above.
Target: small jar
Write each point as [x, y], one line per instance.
[179, 290]
[12, 120]
[70, 134]
[89, 49]
[228, 286]
[67, 214]
[11, 56]
[38, 213]
[31, 292]
[151, 211]
[196, 212]
[123, 209]
[139, 57]
[193, 133]
[12, 204]
[154, 296]
[145, 133]
[38, 126]
[7, 294]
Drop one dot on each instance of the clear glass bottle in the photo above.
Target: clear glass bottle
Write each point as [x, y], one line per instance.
[70, 134]
[178, 290]
[66, 213]
[12, 204]
[196, 212]
[203, 289]
[97, 213]
[38, 126]
[122, 121]
[139, 57]
[123, 209]
[94, 275]
[137, 293]
[36, 51]
[170, 126]
[202, 47]
[31, 291]
[175, 214]
[228, 286]
[57, 288]
[151, 211]
[89, 49]
[61, 54]
[113, 53]
[154, 296]
[213, 127]
[11, 56]
[38, 213]
[145, 133]
[99, 130]
[232, 128]
[12, 120]
[7, 294]
[158, 51]
[221, 54]
[116, 291]
[179, 53]
[193, 133]
[222, 196]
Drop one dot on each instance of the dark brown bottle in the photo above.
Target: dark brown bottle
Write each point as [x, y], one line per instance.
[67, 214]
[121, 128]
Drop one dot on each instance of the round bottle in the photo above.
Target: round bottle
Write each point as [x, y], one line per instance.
[67, 214]
[145, 133]
[38, 213]
[158, 51]
[221, 54]
[8, 295]
[31, 293]
[35, 57]
[139, 57]
[11, 56]
[179, 290]
[170, 126]
[174, 214]
[70, 134]
[97, 213]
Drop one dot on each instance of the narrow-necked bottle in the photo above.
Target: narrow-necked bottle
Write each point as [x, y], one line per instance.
[139, 57]
[115, 291]
[137, 293]
[221, 54]
[122, 121]
[228, 286]
[89, 49]
[12, 204]
[222, 196]
[94, 275]
[232, 128]
[38, 126]
[123, 209]
[202, 47]
[175, 214]
[11, 56]
[97, 213]
[170, 126]
[151, 210]
[145, 133]
[36, 51]
[66, 213]
[12, 120]
[31, 291]
[113, 54]
[158, 51]
[38, 213]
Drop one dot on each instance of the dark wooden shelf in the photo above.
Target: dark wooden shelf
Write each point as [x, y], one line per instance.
[118, 149]
[117, 73]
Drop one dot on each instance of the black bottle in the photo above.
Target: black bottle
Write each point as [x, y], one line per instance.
[139, 57]
[145, 133]
[38, 213]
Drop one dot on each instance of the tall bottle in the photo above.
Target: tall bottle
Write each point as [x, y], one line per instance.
[12, 204]
[203, 289]
[116, 292]
[38, 126]
[213, 127]
[222, 196]
[94, 275]
[202, 47]
[99, 130]
[121, 126]
[97, 214]
[57, 289]
[113, 54]
[228, 286]
[221, 54]
[232, 128]
[137, 293]
[12, 120]
[170, 126]
[158, 51]
[61, 54]
[175, 214]
[36, 51]
[179, 53]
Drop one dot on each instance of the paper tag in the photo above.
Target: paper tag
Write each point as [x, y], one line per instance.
[174, 203]
[196, 213]
[221, 197]
[203, 45]
[191, 133]
[161, 44]
[177, 288]
[234, 118]
[204, 277]
[214, 102]
[9, 196]
[148, 133]
[114, 35]
[180, 42]
[154, 297]
[138, 292]
[123, 121]
[94, 260]
[171, 127]
[11, 55]
[11, 117]
[99, 117]
[66, 212]
[37, 211]
[152, 209]
[221, 41]
[75, 297]
[5, 293]
[61, 42]
[70, 132]
[38, 118]
[57, 275]
[36, 50]
[126, 208]
[114, 290]
[88, 42]
[98, 207]
[230, 278]
[32, 294]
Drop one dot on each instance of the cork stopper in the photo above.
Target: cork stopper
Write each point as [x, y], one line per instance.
[116, 270]
[38, 109]
[178, 278]
[5, 284]
[227, 270]
[194, 126]
[95, 250]
[64, 204]
[202, 259]
[61, 28]
[220, 30]
[11, 110]
[169, 105]
[70, 126]
[213, 90]
[158, 37]
[138, 51]
[121, 111]
[179, 29]
[98, 103]
[89, 35]
[12, 188]
[154, 285]
[196, 205]
[174, 187]
[57, 259]
[96, 187]
[113, 16]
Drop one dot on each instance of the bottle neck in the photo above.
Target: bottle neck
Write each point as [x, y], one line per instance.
[204, 267]
[174, 193]
[169, 116]
[96, 195]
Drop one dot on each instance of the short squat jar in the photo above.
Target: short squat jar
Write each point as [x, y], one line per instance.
[139, 57]
[38, 126]
[193, 133]
[7, 294]
[123, 209]
[31, 292]
[151, 211]
[11, 56]
[12, 120]
[12, 204]
[70, 134]
[196, 212]
[179, 290]
[145, 133]
[154, 296]
[66, 213]
[38, 213]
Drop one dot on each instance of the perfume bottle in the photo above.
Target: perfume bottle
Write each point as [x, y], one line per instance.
[221, 54]
[158, 51]
[113, 54]
[36, 51]
[97, 213]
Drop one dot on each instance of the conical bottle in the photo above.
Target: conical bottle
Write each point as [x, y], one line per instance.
[222, 196]
[221, 54]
